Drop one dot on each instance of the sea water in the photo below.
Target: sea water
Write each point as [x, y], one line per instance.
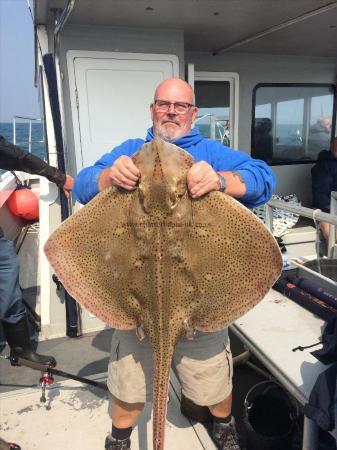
[38, 146]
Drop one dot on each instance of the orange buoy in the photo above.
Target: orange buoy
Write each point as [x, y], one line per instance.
[24, 203]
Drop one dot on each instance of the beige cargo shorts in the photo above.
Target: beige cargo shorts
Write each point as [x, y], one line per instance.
[203, 365]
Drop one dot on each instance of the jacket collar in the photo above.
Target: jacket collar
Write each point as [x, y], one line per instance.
[192, 138]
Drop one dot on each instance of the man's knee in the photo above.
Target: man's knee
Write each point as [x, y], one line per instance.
[127, 407]
[223, 408]
[125, 414]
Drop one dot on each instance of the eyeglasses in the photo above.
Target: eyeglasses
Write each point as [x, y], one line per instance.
[179, 107]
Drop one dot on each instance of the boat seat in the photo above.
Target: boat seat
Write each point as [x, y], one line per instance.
[300, 241]
[299, 235]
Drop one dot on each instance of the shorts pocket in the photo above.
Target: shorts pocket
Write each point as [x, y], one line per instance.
[114, 352]
[229, 358]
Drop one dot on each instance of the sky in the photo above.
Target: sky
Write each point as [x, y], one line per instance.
[18, 96]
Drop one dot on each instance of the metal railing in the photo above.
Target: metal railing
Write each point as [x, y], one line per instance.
[315, 214]
[332, 231]
[217, 124]
[30, 141]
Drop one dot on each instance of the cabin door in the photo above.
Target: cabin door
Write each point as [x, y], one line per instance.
[110, 97]
[217, 98]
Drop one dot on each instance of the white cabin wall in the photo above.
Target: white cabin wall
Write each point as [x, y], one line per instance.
[133, 40]
[255, 69]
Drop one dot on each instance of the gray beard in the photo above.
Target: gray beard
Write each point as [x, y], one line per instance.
[165, 137]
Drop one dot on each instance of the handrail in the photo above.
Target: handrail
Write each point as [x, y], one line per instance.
[301, 210]
[31, 119]
[315, 214]
[332, 229]
[37, 119]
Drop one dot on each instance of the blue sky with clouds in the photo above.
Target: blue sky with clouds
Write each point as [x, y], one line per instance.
[18, 96]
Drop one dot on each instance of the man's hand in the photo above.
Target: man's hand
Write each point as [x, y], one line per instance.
[201, 179]
[68, 185]
[122, 173]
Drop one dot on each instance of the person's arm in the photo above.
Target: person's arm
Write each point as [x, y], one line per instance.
[250, 180]
[91, 180]
[235, 184]
[202, 178]
[13, 157]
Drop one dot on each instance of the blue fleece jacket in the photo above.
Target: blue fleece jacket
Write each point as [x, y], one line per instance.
[259, 179]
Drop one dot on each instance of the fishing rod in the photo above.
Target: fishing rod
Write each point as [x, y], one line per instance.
[47, 374]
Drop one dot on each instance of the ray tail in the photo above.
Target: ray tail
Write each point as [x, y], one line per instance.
[162, 359]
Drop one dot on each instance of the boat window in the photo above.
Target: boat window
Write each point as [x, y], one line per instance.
[292, 123]
[213, 99]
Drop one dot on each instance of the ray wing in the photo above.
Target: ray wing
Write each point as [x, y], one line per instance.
[91, 254]
[234, 260]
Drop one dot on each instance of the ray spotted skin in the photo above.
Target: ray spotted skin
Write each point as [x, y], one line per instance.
[157, 259]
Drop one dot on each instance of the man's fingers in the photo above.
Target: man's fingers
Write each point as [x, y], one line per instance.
[202, 179]
[128, 187]
[200, 190]
[194, 178]
[127, 167]
[121, 180]
[127, 173]
[200, 187]
[124, 173]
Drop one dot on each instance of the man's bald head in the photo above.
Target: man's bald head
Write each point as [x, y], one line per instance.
[173, 123]
[177, 85]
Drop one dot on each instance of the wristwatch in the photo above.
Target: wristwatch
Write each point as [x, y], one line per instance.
[223, 183]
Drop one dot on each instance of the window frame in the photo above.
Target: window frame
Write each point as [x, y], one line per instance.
[233, 79]
[333, 120]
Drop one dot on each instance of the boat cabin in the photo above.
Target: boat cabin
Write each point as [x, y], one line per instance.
[264, 75]
[264, 79]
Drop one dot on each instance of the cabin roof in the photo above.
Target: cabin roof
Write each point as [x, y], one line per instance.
[309, 26]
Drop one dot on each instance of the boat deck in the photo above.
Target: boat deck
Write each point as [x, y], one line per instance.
[77, 417]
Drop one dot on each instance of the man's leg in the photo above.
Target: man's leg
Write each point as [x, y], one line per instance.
[224, 429]
[205, 370]
[223, 408]
[11, 306]
[125, 415]
[130, 383]
[12, 311]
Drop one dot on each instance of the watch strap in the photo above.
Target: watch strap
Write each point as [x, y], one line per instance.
[223, 183]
